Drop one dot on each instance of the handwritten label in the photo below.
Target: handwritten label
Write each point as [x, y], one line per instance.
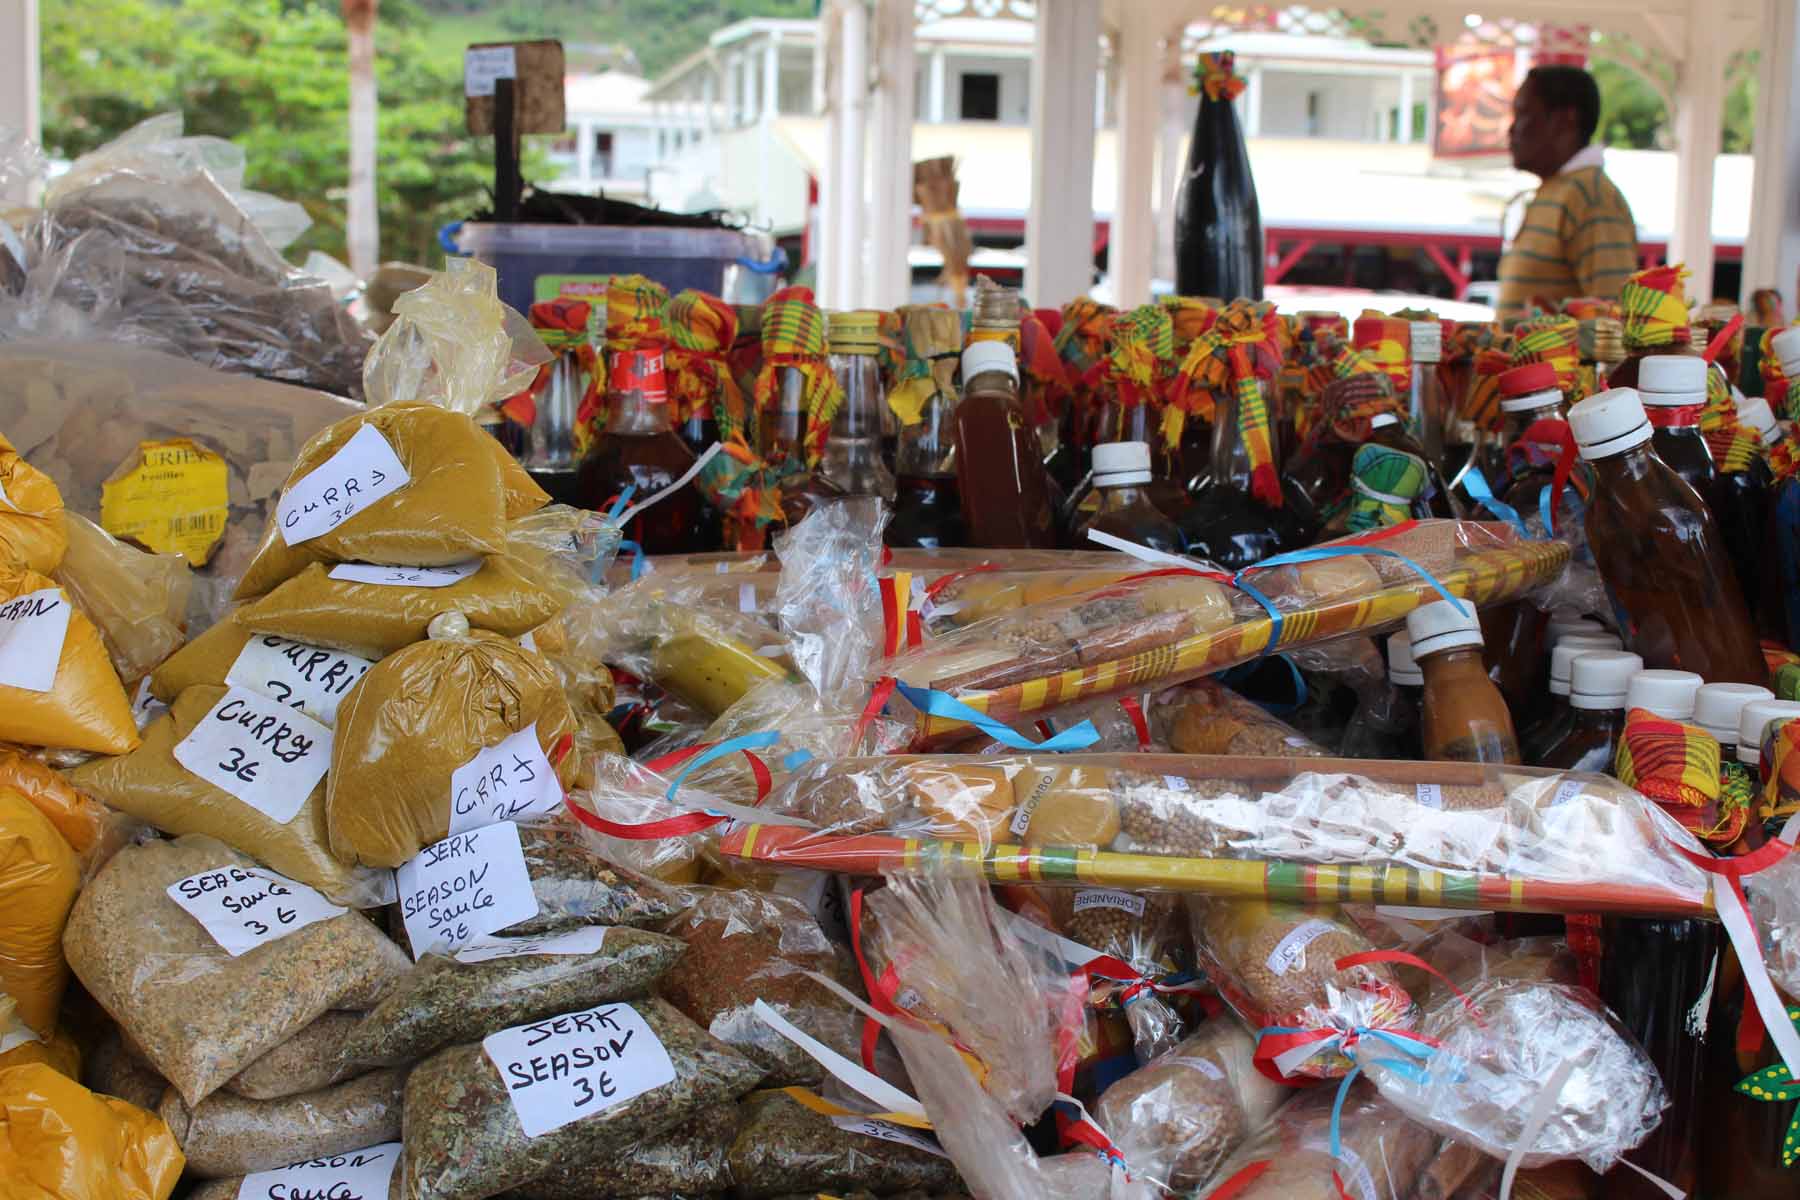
[1290, 950]
[564, 1068]
[1431, 795]
[465, 887]
[506, 781]
[309, 678]
[243, 908]
[425, 577]
[1088, 898]
[887, 1131]
[586, 940]
[266, 754]
[358, 1175]
[364, 469]
[32, 630]
[145, 707]
[482, 65]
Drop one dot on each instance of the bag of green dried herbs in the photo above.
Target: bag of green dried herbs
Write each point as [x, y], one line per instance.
[566, 1092]
[789, 1142]
[496, 982]
[688, 1160]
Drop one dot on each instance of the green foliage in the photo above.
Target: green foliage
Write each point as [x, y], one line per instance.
[272, 76]
[1633, 116]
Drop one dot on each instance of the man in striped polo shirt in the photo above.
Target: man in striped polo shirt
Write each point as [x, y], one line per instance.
[1578, 238]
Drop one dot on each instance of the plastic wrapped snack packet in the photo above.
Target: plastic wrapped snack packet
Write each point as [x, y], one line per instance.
[1367, 1150]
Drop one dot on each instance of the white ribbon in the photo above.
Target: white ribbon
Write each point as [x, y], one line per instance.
[699, 465]
[1535, 1120]
[865, 1083]
[1141, 553]
[1742, 932]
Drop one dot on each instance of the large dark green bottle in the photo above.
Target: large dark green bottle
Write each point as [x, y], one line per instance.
[1218, 227]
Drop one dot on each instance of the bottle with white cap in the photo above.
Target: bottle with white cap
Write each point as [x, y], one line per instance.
[1598, 680]
[1557, 719]
[1659, 551]
[1673, 390]
[1004, 488]
[1122, 481]
[1664, 693]
[1463, 718]
[1718, 707]
[1754, 720]
[1403, 669]
[1740, 501]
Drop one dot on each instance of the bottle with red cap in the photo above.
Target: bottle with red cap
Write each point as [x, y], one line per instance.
[640, 449]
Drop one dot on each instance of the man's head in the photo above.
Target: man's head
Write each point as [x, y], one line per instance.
[1555, 113]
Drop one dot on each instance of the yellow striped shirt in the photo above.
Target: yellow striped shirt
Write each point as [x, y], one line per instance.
[1577, 239]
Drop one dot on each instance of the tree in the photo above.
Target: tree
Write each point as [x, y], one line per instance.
[272, 76]
[1633, 116]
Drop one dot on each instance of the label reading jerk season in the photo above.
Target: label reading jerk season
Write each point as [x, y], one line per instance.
[465, 887]
[265, 753]
[364, 470]
[564, 1068]
[243, 908]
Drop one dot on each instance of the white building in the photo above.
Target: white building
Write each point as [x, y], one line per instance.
[611, 139]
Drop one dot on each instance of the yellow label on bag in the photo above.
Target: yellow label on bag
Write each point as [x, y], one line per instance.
[172, 496]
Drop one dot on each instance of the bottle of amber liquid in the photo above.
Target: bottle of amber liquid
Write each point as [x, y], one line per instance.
[1673, 390]
[927, 507]
[1228, 524]
[1464, 716]
[1560, 717]
[1122, 477]
[1004, 488]
[1428, 412]
[1659, 552]
[782, 445]
[853, 462]
[1598, 681]
[639, 449]
[1741, 505]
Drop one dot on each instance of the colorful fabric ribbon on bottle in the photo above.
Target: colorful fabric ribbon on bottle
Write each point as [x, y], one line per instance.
[1674, 764]
[1240, 353]
[1653, 307]
[1189, 317]
[794, 336]
[1481, 406]
[1081, 343]
[1734, 446]
[701, 329]
[1554, 340]
[1216, 78]
[563, 326]
[1384, 483]
[932, 339]
[634, 309]
[1388, 342]
[1779, 773]
[1047, 391]
[1139, 359]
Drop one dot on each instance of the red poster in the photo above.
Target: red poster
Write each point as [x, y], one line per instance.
[1475, 85]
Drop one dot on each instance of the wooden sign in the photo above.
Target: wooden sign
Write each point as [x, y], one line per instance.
[536, 69]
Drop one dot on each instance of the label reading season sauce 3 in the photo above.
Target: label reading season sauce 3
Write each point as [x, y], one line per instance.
[564, 1068]
[243, 908]
[355, 1175]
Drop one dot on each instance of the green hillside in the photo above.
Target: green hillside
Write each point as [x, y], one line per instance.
[659, 32]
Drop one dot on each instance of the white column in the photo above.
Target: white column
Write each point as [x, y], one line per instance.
[939, 84]
[362, 213]
[771, 108]
[850, 272]
[1403, 127]
[1059, 228]
[1173, 104]
[19, 105]
[1133, 238]
[825, 235]
[771, 78]
[747, 87]
[709, 89]
[584, 154]
[1772, 250]
[895, 103]
[1252, 105]
[1699, 111]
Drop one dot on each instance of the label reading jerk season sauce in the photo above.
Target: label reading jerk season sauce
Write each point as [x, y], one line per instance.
[564, 1068]
[465, 887]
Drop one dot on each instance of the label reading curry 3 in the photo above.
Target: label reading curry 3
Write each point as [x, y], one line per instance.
[364, 469]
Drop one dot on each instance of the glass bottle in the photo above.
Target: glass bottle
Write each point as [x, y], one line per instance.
[1741, 502]
[1436, 500]
[1528, 394]
[1658, 550]
[1746, 747]
[1386, 721]
[1122, 479]
[1561, 714]
[853, 461]
[1227, 523]
[1464, 716]
[1598, 683]
[1741, 1137]
[1428, 413]
[1320, 473]
[1004, 488]
[927, 506]
[782, 445]
[639, 449]
[1218, 226]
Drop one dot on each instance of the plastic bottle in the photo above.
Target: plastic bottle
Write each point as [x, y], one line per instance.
[1562, 623]
[1754, 719]
[1560, 716]
[1121, 477]
[1386, 721]
[1427, 411]
[1658, 550]
[1673, 390]
[1464, 717]
[1718, 707]
[1740, 503]
[638, 448]
[1664, 693]
[1218, 225]
[1005, 491]
[853, 462]
[1598, 680]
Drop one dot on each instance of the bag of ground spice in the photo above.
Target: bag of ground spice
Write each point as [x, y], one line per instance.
[21, 1044]
[1209, 718]
[200, 1012]
[32, 528]
[229, 1135]
[312, 679]
[235, 765]
[57, 685]
[456, 889]
[1276, 965]
[407, 484]
[57, 1139]
[1313, 1151]
[38, 881]
[445, 736]
[306, 1062]
[745, 946]
[372, 611]
[1177, 1119]
[94, 831]
[136, 599]
[568, 1092]
[496, 982]
[783, 1145]
[688, 1160]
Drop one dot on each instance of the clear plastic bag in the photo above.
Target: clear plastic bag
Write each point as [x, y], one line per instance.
[828, 602]
[1149, 934]
[138, 601]
[71, 1143]
[1507, 1049]
[689, 1159]
[32, 523]
[39, 877]
[306, 1062]
[78, 702]
[1775, 905]
[229, 1135]
[1208, 718]
[453, 344]
[784, 1148]
[1380, 1155]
